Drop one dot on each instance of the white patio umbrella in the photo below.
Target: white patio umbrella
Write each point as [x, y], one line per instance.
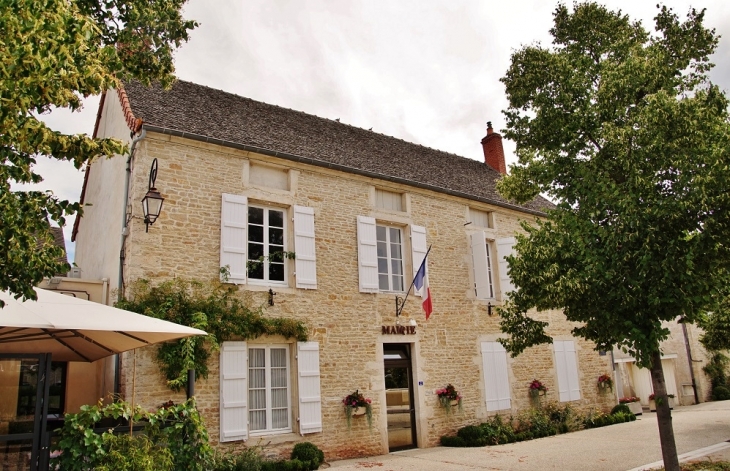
[73, 329]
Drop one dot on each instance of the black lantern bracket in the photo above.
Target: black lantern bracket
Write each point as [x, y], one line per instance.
[152, 201]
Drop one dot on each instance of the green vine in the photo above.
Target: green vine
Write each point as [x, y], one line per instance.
[211, 306]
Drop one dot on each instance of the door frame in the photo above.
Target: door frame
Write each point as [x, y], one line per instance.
[412, 392]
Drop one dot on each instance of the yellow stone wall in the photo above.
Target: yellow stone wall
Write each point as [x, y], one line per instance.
[184, 242]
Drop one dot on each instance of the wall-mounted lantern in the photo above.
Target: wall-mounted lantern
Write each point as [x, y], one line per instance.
[152, 201]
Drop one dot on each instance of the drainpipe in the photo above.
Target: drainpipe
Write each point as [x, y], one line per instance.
[125, 231]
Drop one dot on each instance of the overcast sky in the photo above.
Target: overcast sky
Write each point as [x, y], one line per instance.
[421, 70]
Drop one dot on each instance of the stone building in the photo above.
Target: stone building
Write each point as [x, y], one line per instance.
[243, 179]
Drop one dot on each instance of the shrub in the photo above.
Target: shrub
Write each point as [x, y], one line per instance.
[453, 441]
[248, 459]
[621, 408]
[720, 393]
[308, 453]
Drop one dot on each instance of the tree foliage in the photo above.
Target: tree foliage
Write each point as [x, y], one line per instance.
[54, 53]
[625, 131]
[211, 306]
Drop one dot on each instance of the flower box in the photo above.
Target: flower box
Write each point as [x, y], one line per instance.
[359, 411]
[652, 403]
[635, 408]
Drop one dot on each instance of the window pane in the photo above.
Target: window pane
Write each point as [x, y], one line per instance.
[278, 357]
[255, 215]
[255, 233]
[255, 251]
[382, 249]
[276, 272]
[397, 283]
[276, 218]
[276, 237]
[394, 235]
[278, 398]
[395, 250]
[383, 282]
[256, 357]
[380, 231]
[256, 271]
[257, 420]
[396, 267]
[280, 418]
[382, 265]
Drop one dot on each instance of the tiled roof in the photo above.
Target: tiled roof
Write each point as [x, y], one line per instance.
[59, 241]
[235, 120]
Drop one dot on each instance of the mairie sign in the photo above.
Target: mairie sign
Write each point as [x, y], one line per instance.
[399, 330]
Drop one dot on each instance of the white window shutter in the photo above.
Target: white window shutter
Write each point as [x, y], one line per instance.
[479, 258]
[418, 249]
[567, 368]
[571, 363]
[234, 218]
[234, 391]
[505, 248]
[367, 254]
[496, 380]
[310, 400]
[305, 259]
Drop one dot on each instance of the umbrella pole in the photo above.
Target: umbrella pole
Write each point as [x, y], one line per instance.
[134, 392]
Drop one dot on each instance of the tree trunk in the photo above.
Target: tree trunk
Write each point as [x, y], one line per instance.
[663, 415]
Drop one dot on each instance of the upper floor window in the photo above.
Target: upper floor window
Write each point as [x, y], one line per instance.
[388, 200]
[254, 243]
[266, 229]
[390, 258]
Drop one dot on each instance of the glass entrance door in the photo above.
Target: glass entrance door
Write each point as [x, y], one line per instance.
[399, 397]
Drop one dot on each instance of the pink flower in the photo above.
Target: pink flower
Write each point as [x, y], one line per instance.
[368, 401]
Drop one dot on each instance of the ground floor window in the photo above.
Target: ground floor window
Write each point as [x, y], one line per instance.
[268, 388]
[28, 386]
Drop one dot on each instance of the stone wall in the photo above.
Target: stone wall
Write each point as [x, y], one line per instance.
[184, 242]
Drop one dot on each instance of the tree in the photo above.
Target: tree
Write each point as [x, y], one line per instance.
[56, 52]
[624, 130]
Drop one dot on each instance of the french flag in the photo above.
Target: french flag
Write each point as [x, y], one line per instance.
[420, 282]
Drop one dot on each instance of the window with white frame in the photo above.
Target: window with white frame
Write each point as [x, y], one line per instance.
[268, 389]
[390, 258]
[266, 234]
[566, 364]
[380, 254]
[256, 390]
[254, 241]
[490, 265]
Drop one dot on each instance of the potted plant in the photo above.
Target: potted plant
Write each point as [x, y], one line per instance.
[605, 382]
[449, 397]
[633, 403]
[357, 405]
[537, 388]
[652, 401]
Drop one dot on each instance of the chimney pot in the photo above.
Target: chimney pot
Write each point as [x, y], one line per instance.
[493, 150]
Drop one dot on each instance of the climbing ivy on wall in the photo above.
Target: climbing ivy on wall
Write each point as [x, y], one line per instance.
[212, 306]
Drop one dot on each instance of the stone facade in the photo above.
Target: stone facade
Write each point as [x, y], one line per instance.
[347, 324]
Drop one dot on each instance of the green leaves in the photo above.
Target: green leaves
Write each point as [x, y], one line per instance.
[54, 53]
[211, 306]
[624, 130]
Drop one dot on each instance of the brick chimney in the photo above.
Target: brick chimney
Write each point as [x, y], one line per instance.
[493, 151]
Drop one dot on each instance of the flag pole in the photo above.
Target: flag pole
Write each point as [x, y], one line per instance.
[401, 302]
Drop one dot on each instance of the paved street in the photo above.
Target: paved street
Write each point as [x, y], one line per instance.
[617, 447]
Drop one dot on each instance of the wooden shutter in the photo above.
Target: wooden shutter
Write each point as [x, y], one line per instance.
[496, 379]
[480, 261]
[367, 254]
[234, 218]
[305, 260]
[505, 249]
[234, 391]
[310, 400]
[418, 249]
[567, 368]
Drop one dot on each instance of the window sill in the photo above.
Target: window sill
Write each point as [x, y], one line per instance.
[276, 438]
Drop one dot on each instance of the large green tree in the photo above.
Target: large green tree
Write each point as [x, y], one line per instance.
[53, 53]
[623, 129]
